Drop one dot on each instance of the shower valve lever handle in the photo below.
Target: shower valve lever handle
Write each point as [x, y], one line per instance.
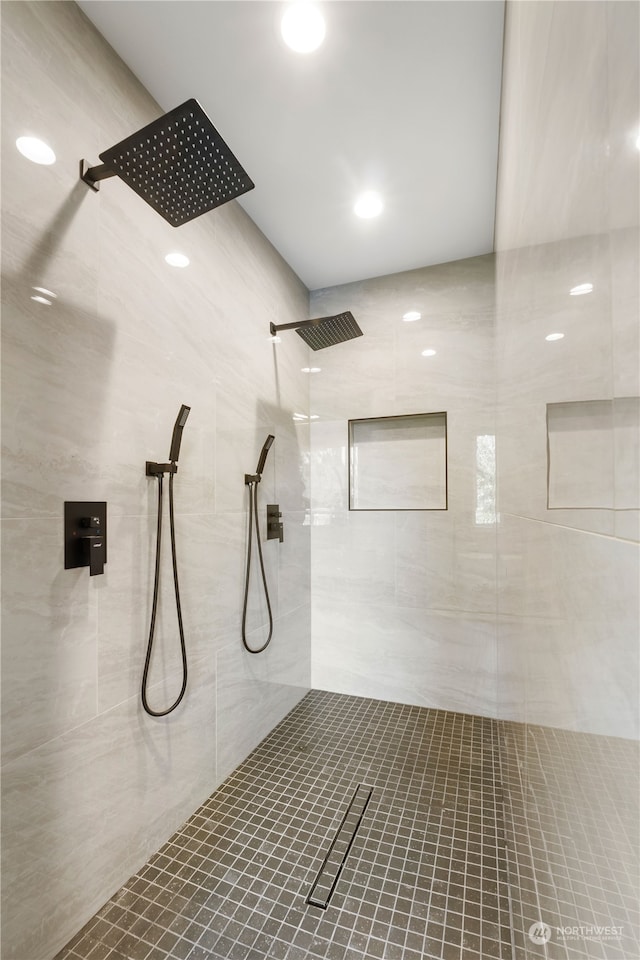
[90, 523]
[95, 551]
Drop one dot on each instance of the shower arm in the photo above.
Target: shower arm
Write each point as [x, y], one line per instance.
[93, 175]
[296, 326]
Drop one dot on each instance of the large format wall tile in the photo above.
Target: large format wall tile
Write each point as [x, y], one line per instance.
[445, 563]
[392, 588]
[354, 557]
[625, 307]
[406, 654]
[255, 691]
[88, 808]
[576, 674]
[547, 570]
[568, 628]
[50, 636]
[548, 191]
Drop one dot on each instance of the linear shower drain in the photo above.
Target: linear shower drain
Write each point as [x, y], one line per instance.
[327, 878]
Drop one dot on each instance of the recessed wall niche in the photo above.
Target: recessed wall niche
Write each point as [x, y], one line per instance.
[593, 454]
[398, 463]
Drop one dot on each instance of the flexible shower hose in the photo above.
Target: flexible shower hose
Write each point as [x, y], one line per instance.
[253, 512]
[154, 605]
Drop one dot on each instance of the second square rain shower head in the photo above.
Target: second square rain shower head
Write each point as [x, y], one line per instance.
[179, 164]
[323, 331]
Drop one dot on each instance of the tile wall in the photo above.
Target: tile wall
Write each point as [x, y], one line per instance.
[404, 601]
[568, 577]
[568, 584]
[91, 387]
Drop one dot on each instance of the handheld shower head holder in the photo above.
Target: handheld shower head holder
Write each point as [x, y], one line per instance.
[256, 477]
[159, 469]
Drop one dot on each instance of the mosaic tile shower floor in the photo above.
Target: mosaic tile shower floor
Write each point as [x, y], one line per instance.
[424, 878]
[572, 826]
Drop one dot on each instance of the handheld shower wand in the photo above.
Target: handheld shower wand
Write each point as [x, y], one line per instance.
[158, 470]
[176, 438]
[263, 454]
[252, 481]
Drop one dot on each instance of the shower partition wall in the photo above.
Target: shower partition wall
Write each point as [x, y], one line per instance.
[567, 436]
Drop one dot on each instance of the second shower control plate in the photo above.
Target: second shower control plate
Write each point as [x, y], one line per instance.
[275, 526]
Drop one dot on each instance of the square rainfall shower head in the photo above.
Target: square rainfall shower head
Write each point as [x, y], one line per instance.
[327, 331]
[179, 164]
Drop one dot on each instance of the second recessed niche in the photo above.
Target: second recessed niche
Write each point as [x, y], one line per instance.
[592, 454]
[398, 463]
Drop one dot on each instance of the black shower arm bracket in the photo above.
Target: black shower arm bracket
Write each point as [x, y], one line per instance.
[159, 469]
[296, 326]
[93, 175]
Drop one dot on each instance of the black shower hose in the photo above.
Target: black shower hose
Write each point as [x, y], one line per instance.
[154, 606]
[253, 512]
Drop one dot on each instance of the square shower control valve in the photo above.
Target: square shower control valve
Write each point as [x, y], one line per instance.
[275, 527]
[85, 535]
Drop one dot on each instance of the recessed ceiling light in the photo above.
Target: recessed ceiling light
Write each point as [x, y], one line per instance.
[554, 336]
[45, 292]
[428, 353]
[581, 289]
[42, 300]
[311, 369]
[177, 260]
[302, 27]
[368, 204]
[36, 150]
[411, 315]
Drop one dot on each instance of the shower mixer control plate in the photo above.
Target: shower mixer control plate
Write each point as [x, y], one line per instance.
[275, 527]
[85, 535]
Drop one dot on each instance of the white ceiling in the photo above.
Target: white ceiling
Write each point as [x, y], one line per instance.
[402, 97]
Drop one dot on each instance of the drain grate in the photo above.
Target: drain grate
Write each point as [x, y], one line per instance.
[327, 878]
